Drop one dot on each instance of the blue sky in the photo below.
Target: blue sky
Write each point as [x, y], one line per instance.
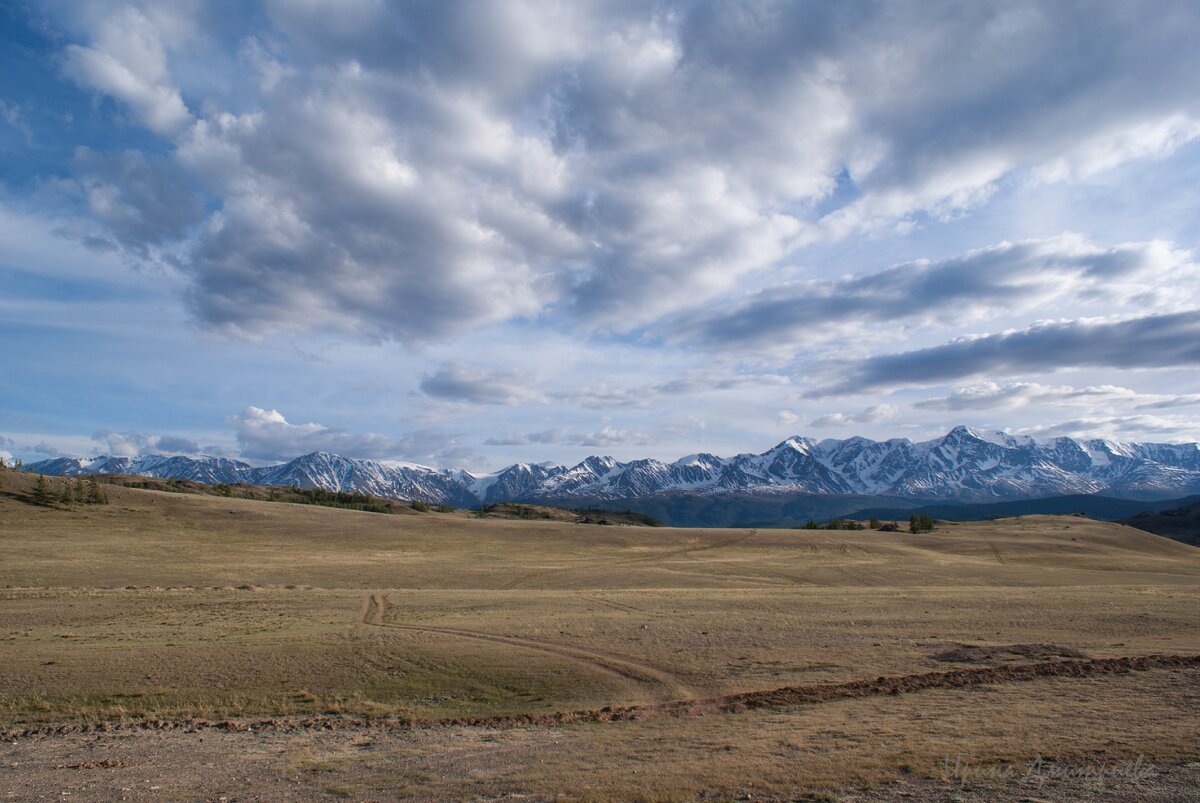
[471, 234]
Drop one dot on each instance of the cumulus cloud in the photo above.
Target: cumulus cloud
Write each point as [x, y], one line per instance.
[413, 171]
[1155, 341]
[1009, 278]
[128, 60]
[462, 383]
[267, 435]
[1015, 395]
[871, 415]
[144, 201]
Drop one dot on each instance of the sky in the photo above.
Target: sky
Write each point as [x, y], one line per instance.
[471, 234]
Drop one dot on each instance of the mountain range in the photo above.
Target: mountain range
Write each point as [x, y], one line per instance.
[964, 465]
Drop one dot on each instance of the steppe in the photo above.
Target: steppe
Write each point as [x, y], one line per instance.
[178, 647]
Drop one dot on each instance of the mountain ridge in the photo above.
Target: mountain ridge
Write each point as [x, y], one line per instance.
[963, 465]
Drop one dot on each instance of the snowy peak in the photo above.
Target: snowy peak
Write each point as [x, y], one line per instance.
[963, 464]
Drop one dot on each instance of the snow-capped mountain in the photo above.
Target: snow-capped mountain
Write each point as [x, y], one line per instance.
[211, 470]
[963, 465]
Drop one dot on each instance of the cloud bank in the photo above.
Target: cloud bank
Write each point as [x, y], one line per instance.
[414, 171]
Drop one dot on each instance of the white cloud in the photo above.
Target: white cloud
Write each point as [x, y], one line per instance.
[871, 415]
[267, 435]
[128, 60]
[786, 418]
[414, 172]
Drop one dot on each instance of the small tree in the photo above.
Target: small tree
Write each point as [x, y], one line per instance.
[67, 497]
[80, 492]
[874, 523]
[96, 494]
[42, 495]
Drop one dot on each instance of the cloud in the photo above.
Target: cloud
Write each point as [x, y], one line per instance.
[1009, 278]
[1134, 427]
[871, 415]
[128, 60]
[415, 171]
[461, 383]
[11, 114]
[612, 436]
[1016, 395]
[1155, 341]
[267, 435]
[605, 437]
[132, 444]
[144, 201]
[605, 395]
[550, 436]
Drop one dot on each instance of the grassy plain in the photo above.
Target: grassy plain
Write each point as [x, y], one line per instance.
[170, 607]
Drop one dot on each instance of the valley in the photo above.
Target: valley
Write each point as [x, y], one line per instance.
[212, 646]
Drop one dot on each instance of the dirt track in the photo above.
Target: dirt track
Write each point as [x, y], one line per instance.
[667, 684]
[782, 698]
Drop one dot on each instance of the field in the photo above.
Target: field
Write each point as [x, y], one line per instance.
[193, 647]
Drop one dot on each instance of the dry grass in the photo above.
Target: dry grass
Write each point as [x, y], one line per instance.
[166, 606]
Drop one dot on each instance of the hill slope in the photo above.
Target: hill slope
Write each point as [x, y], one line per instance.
[1177, 523]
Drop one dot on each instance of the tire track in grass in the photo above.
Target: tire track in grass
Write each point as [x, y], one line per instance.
[375, 608]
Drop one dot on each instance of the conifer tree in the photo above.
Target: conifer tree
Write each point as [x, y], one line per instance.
[67, 497]
[96, 494]
[80, 494]
[42, 495]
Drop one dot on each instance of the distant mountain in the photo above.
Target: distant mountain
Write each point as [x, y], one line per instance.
[963, 466]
